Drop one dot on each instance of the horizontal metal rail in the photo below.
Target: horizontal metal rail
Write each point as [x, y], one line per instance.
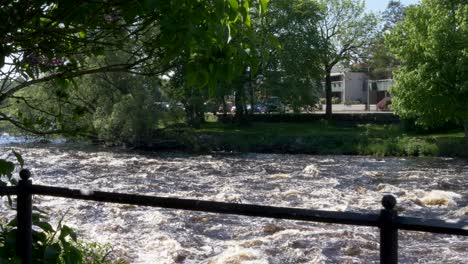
[432, 226]
[8, 190]
[347, 218]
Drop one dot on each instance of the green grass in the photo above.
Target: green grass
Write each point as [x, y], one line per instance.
[331, 138]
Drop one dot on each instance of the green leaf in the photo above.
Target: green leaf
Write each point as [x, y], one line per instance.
[30, 73]
[19, 158]
[45, 226]
[75, 84]
[72, 255]
[12, 223]
[10, 238]
[40, 237]
[63, 83]
[52, 253]
[67, 231]
[6, 167]
[264, 6]
[234, 4]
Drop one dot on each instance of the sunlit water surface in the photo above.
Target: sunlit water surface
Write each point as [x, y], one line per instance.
[424, 187]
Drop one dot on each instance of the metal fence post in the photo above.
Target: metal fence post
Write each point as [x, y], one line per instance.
[24, 218]
[388, 231]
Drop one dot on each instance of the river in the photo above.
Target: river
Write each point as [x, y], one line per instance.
[424, 187]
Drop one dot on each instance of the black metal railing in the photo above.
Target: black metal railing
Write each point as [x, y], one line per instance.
[387, 221]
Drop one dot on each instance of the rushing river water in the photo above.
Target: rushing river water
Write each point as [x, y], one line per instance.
[424, 187]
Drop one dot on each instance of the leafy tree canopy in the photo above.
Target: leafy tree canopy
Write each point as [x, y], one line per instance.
[292, 71]
[432, 45]
[380, 61]
[48, 40]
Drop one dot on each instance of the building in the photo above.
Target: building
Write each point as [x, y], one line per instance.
[378, 90]
[350, 87]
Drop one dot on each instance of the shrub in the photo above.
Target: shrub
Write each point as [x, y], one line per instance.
[416, 147]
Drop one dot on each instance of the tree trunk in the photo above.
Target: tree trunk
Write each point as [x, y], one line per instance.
[328, 93]
[252, 94]
[240, 116]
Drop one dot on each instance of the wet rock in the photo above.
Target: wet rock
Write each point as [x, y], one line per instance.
[353, 250]
[301, 244]
[252, 243]
[361, 189]
[272, 228]
[180, 256]
[438, 198]
[389, 189]
[200, 219]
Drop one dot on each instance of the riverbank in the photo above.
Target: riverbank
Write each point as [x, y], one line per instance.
[313, 137]
[328, 138]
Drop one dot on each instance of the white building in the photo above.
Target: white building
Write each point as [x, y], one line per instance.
[355, 87]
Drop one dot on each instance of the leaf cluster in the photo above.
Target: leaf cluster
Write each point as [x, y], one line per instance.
[432, 82]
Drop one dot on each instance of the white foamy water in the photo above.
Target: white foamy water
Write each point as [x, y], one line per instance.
[430, 188]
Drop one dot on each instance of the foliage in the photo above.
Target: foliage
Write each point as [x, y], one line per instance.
[50, 245]
[393, 14]
[112, 107]
[345, 31]
[292, 72]
[432, 82]
[380, 61]
[54, 41]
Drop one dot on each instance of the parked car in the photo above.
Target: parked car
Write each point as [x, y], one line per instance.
[260, 108]
[384, 103]
[229, 108]
[274, 104]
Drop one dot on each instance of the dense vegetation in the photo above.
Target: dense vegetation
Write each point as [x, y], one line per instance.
[432, 82]
[128, 72]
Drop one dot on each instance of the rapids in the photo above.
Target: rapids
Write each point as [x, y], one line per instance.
[424, 187]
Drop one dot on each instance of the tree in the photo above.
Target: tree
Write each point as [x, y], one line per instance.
[432, 82]
[380, 61]
[394, 13]
[47, 40]
[291, 71]
[115, 108]
[345, 30]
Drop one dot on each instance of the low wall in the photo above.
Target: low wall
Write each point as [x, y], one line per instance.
[360, 118]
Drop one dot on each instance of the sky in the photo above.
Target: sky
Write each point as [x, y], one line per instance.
[380, 5]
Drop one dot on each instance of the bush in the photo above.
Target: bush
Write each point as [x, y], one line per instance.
[336, 100]
[416, 147]
[52, 245]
